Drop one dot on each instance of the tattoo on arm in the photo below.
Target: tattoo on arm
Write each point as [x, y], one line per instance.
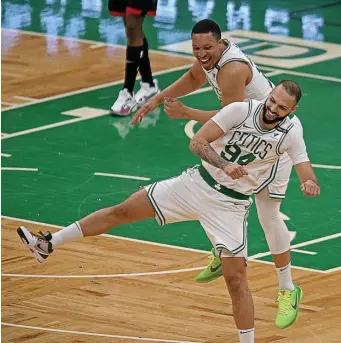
[204, 150]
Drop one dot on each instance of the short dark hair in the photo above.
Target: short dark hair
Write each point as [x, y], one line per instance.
[207, 26]
[292, 89]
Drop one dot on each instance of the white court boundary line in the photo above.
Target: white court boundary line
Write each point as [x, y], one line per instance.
[79, 91]
[303, 244]
[92, 88]
[253, 258]
[19, 169]
[297, 73]
[146, 339]
[102, 276]
[121, 176]
[49, 126]
[325, 166]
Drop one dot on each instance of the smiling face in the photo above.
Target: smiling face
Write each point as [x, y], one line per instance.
[207, 49]
[278, 105]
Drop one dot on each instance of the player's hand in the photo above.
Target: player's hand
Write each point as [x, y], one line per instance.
[147, 108]
[235, 171]
[174, 108]
[310, 188]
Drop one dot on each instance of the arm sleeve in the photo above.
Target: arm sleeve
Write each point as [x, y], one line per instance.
[295, 146]
[231, 115]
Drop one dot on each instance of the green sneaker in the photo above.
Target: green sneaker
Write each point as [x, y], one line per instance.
[212, 271]
[288, 304]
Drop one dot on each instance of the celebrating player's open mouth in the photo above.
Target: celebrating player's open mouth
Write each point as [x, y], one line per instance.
[205, 62]
[270, 117]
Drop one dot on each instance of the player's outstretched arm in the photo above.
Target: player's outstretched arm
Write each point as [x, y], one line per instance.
[189, 82]
[232, 79]
[175, 109]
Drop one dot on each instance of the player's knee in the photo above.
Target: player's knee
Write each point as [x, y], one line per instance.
[275, 230]
[234, 271]
[267, 220]
[268, 211]
[134, 31]
[236, 282]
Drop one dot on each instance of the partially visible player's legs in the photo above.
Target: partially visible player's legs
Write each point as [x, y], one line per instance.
[126, 103]
[225, 224]
[145, 68]
[135, 36]
[137, 207]
[137, 58]
[234, 271]
[148, 86]
[278, 238]
[144, 204]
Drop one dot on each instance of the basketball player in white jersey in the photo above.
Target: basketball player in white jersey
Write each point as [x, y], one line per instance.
[238, 146]
[234, 77]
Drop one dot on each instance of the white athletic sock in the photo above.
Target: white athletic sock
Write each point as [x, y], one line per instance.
[284, 277]
[247, 335]
[67, 234]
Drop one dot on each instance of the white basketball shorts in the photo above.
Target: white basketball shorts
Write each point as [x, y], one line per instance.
[188, 197]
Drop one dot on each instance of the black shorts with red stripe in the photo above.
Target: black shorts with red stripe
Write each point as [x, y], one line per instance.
[119, 8]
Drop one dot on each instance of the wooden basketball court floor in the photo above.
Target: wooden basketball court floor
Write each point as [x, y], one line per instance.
[114, 289]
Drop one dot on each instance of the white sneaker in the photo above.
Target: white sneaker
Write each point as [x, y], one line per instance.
[124, 105]
[39, 244]
[146, 92]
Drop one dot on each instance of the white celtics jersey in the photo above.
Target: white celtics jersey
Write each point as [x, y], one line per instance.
[246, 143]
[258, 89]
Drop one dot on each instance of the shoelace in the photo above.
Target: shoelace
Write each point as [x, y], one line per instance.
[284, 302]
[212, 258]
[41, 233]
[41, 237]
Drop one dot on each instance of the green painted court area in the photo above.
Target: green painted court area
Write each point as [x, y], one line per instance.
[65, 187]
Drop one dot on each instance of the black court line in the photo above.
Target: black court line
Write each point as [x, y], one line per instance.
[316, 7]
[308, 9]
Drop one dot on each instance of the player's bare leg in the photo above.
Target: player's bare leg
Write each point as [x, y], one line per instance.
[234, 271]
[137, 207]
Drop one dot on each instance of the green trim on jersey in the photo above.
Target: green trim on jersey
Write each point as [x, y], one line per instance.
[158, 212]
[269, 179]
[220, 188]
[282, 138]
